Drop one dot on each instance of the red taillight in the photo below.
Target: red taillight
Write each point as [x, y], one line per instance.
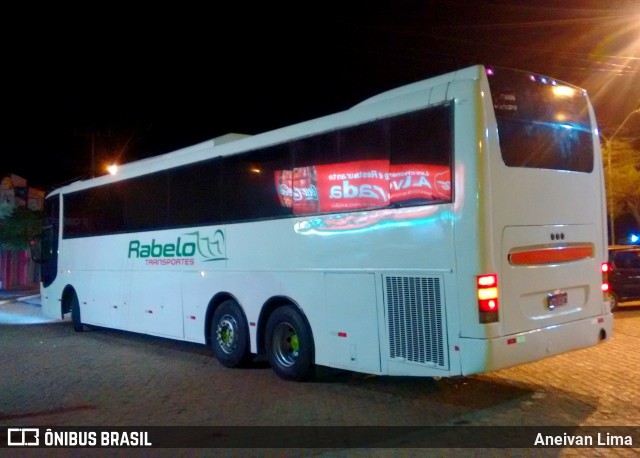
[606, 268]
[487, 287]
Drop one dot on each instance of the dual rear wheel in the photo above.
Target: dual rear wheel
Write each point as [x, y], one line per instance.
[289, 344]
[288, 341]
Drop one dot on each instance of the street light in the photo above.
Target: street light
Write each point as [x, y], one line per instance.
[637, 110]
[610, 182]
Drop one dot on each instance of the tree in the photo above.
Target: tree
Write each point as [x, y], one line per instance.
[5, 210]
[623, 180]
[18, 225]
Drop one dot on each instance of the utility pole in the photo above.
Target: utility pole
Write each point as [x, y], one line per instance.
[609, 148]
[92, 134]
[93, 154]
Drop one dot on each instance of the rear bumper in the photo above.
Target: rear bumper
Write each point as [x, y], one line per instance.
[487, 355]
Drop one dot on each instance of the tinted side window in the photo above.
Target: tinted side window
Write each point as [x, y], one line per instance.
[357, 179]
[400, 161]
[248, 184]
[94, 211]
[194, 194]
[423, 137]
[316, 150]
[421, 156]
[146, 200]
[365, 142]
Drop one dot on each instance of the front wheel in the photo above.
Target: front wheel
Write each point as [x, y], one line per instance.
[289, 345]
[75, 314]
[230, 335]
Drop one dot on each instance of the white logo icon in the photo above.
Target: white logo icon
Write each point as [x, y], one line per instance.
[23, 437]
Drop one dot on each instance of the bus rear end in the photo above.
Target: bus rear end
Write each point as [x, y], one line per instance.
[542, 213]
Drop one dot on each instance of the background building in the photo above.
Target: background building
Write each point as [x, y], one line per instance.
[17, 270]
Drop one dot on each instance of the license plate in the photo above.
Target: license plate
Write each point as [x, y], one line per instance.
[557, 299]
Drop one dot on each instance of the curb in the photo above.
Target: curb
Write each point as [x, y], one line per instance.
[18, 299]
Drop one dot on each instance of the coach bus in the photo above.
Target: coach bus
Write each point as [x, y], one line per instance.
[447, 227]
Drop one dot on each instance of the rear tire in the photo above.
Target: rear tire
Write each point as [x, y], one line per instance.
[289, 345]
[230, 335]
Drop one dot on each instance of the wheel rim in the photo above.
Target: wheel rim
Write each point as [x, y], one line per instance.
[227, 333]
[286, 345]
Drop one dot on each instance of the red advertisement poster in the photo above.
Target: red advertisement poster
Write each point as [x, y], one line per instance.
[360, 185]
[298, 189]
[284, 185]
[419, 181]
[353, 185]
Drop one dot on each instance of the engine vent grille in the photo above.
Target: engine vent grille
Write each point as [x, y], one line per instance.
[416, 321]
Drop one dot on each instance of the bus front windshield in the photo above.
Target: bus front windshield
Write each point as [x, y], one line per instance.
[542, 123]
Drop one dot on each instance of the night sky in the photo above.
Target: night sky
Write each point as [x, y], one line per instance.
[143, 83]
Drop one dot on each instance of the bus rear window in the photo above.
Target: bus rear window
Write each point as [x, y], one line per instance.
[542, 123]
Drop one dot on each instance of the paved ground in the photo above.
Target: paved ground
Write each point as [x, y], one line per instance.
[21, 306]
[53, 376]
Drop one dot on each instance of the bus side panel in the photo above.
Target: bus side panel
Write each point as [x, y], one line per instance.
[90, 296]
[50, 300]
[198, 288]
[103, 297]
[98, 273]
[352, 321]
[156, 303]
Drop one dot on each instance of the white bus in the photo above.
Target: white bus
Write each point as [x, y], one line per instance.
[448, 227]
